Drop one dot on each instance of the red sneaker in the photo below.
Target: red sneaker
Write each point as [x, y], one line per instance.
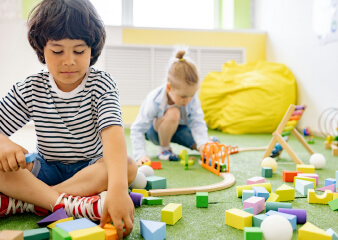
[82, 207]
[10, 206]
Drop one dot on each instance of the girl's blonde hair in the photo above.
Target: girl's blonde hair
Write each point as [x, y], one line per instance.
[183, 69]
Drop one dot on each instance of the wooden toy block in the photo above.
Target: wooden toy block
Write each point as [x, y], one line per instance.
[258, 219]
[329, 181]
[285, 193]
[300, 213]
[36, 234]
[247, 194]
[52, 225]
[30, 157]
[152, 230]
[310, 231]
[60, 234]
[267, 172]
[76, 224]
[261, 192]
[55, 216]
[275, 205]
[257, 203]
[273, 197]
[253, 233]
[90, 233]
[238, 218]
[142, 191]
[332, 233]
[255, 180]
[11, 235]
[322, 199]
[153, 201]
[291, 218]
[303, 186]
[332, 188]
[306, 168]
[110, 232]
[155, 182]
[333, 204]
[248, 210]
[156, 165]
[305, 179]
[289, 175]
[239, 189]
[202, 199]
[171, 213]
[310, 175]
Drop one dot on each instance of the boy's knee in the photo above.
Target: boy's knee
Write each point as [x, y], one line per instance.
[173, 114]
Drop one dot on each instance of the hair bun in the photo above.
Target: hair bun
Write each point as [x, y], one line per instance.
[180, 54]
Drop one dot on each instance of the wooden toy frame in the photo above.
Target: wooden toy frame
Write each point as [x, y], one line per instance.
[277, 135]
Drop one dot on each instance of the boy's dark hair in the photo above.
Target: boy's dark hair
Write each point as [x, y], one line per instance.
[62, 19]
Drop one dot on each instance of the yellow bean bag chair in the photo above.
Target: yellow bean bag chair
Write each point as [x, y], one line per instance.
[247, 98]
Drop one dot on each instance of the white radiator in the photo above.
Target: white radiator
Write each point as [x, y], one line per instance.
[138, 69]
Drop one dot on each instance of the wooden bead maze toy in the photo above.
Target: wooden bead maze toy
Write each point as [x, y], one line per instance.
[287, 127]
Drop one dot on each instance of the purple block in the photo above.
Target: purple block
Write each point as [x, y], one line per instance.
[55, 216]
[310, 175]
[257, 203]
[137, 198]
[300, 213]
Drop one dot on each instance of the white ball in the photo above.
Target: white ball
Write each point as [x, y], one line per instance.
[269, 162]
[146, 170]
[140, 181]
[317, 160]
[276, 227]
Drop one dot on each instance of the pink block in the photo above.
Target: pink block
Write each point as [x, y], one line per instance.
[257, 203]
[330, 187]
[255, 180]
[310, 175]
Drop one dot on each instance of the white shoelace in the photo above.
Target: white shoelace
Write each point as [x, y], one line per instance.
[25, 207]
[80, 207]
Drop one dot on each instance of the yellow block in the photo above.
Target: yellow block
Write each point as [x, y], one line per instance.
[305, 179]
[334, 195]
[238, 218]
[326, 197]
[239, 189]
[304, 168]
[285, 193]
[142, 191]
[273, 197]
[171, 213]
[91, 233]
[310, 231]
[147, 163]
[52, 225]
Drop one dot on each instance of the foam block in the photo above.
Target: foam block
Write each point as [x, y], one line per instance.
[332, 233]
[258, 219]
[252, 233]
[255, 180]
[90, 233]
[11, 235]
[275, 205]
[30, 157]
[202, 199]
[60, 234]
[292, 218]
[329, 181]
[300, 213]
[257, 203]
[273, 197]
[248, 210]
[153, 201]
[306, 168]
[247, 194]
[155, 182]
[321, 199]
[76, 224]
[36, 234]
[333, 204]
[305, 179]
[289, 175]
[261, 192]
[310, 175]
[142, 191]
[171, 213]
[156, 165]
[286, 193]
[137, 198]
[110, 232]
[239, 189]
[331, 187]
[267, 172]
[310, 231]
[55, 216]
[152, 230]
[303, 186]
[52, 225]
[238, 218]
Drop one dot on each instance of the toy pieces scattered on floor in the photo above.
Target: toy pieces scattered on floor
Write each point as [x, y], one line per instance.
[55, 216]
[153, 230]
[36, 234]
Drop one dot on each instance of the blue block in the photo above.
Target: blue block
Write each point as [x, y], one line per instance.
[261, 192]
[258, 219]
[292, 218]
[329, 181]
[152, 230]
[76, 224]
[30, 157]
[247, 194]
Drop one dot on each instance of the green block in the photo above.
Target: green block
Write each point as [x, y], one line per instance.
[334, 204]
[154, 201]
[36, 234]
[155, 182]
[202, 199]
[249, 210]
[60, 234]
[253, 233]
[258, 219]
[275, 205]
[267, 172]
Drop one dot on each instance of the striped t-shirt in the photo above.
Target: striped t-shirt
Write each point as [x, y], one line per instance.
[67, 125]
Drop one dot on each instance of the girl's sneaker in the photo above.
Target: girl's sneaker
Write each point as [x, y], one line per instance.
[10, 206]
[167, 155]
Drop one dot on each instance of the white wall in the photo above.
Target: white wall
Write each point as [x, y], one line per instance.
[292, 41]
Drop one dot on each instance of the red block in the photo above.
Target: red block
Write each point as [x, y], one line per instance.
[289, 175]
[156, 165]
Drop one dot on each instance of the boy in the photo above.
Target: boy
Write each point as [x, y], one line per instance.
[77, 116]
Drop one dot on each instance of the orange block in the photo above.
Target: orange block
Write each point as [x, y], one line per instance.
[288, 176]
[110, 232]
[156, 165]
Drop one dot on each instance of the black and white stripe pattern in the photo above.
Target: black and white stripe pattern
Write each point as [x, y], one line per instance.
[67, 128]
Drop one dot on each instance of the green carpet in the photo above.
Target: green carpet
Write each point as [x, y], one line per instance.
[208, 223]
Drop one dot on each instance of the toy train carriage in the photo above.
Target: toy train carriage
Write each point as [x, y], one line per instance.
[213, 158]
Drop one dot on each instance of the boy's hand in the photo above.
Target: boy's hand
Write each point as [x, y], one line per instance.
[12, 155]
[143, 160]
[119, 208]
